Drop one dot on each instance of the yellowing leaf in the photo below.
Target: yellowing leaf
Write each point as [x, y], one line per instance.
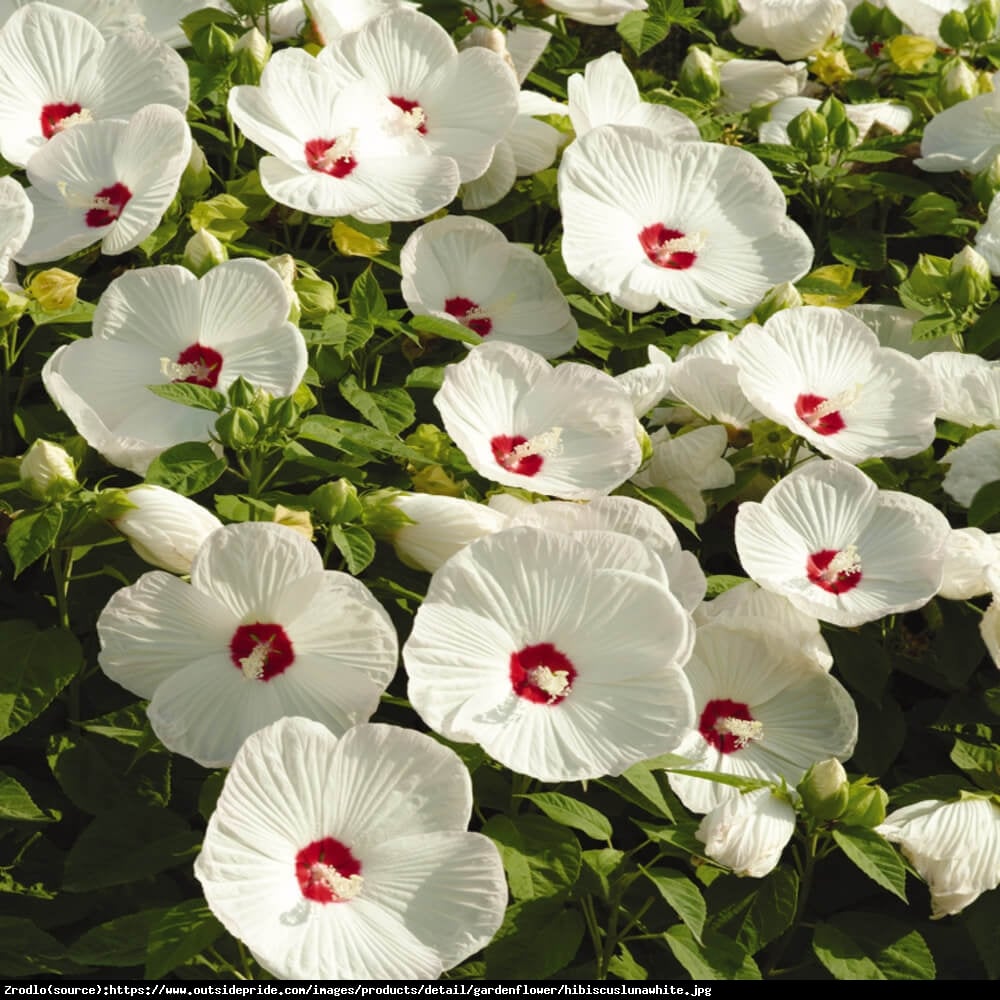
[910, 52]
[353, 243]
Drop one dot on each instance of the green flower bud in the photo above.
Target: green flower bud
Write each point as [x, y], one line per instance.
[825, 790]
[317, 298]
[982, 18]
[699, 76]
[283, 413]
[252, 53]
[986, 184]
[13, 305]
[213, 44]
[866, 806]
[970, 280]
[783, 296]
[336, 502]
[202, 252]
[48, 470]
[645, 445]
[54, 289]
[237, 428]
[954, 29]
[957, 83]
[865, 19]
[241, 393]
[808, 131]
[197, 177]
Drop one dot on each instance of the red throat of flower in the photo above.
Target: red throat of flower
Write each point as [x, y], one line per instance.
[327, 871]
[197, 364]
[720, 724]
[330, 156]
[816, 413]
[669, 248]
[835, 571]
[53, 114]
[414, 110]
[469, 315]
[108, 204]
[261, 651]
[541, 674]
[505, 451]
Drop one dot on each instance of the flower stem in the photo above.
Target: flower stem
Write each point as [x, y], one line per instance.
[806, 871]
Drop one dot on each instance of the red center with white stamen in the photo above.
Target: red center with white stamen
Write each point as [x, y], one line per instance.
[261, 650]
[541, 674]
[107, 205]
[468, 314]
[720, 724]
[330, 156]
[814, 411]
[504, 451]
[667, 247]
[327, 871]
[199, 365]
[53, 114]
[835, 571]
[414, 110]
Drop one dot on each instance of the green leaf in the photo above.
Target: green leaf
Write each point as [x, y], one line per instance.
[357, 439]
[862, 248]
[541, 857]
[983, 337]
[536, 940]
[984, 507]
[716, 957]
[872, 946]
[645, 781]
[981, 763]
[427, 377]
[875, 856]
[642, 30]
[183, 932]
[982, 919]
[720, 583]
[16, 804]
[445, 329]
[118, 943]
[31, 535]
[624, 966]
[938, 786]
[682, 896]
[389, 410]
[734, 780]
[128, 844]
[754, 912]
[862, 660]
[568, 811]
[355, 544]
[671, 505]
[871, 155]
[200, 397]
[186, 468]
[37, 666]
[25, 950]
[600, 869]
[367, 300]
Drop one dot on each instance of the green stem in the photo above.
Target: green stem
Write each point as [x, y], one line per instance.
[244, 960]
[61, 561]
[590, 918]
[805, 885]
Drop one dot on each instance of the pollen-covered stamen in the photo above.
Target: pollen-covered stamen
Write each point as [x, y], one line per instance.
[525, 456]
[470, 314]
[197, 364]
[729, 725]
[835, 571]
[743, 730]
[328, 872]
[670, 248]
[58, 116]
[822, 414]
[261, 651]
[541, 674]
[334, 157]
[413, 116]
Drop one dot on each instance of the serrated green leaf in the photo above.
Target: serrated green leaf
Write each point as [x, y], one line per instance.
[875, 856]
[390, 410]
[366, 299]
[642, 30]
[600, 869]
[938, 786]
[355, 544]
[682, 896]
[128, 844]
[357, 439]
[541, 857]
[733, 780]
[568, 811]
[642, 779]
[25, 950]
[427, 377]
[444, 329]
[16, 803]
[186, 468]
[716, 957]
[118, 943]
[720, 583]
[670, 504]
[32, 535]
[984, 507]
[200, 397]
[37, 666]
[537, 939]
[981, 763]
[754, 912]
[872, 946]
[624, 966]
[181, 933]
[861, 248]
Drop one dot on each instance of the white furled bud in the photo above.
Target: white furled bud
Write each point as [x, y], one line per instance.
[48, 469]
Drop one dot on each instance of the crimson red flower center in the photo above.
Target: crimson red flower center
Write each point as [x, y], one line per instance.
[324, 870]
[53, 114]
[541, 674]
[835, 571]
[669, 248]
[467, 313]
[107, 205]
[505, 451]
[414, 110]
[200, 365]
[716, 724]
[262, 650]
[814, 411]
[330, 156]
